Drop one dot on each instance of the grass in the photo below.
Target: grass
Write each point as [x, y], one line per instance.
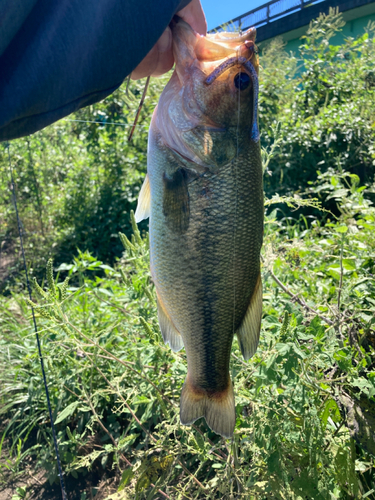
[305, 402]
[115, 386]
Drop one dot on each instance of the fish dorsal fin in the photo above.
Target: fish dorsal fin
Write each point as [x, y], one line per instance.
[248, 332]
[169, 332]
[144, 201]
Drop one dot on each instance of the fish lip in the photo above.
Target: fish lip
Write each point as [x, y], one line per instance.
[211, 47]
[249, 34]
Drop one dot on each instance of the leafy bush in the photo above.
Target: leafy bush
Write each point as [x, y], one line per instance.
[325, 107]
[76, 181]
[305, 401]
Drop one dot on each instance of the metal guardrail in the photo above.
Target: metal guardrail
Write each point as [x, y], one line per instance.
[264, 14]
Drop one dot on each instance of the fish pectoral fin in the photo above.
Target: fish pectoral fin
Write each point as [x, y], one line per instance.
[249, 330]
[144, 201]
[169, 332]
[176, 207]
[218, 409]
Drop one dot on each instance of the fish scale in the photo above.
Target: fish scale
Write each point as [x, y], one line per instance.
[206, 228]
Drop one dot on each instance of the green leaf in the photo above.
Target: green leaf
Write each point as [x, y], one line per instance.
[51, 282]
[84, 409]
[69, 433]
[345, 470]
[104, 266]
[200, 441]
[125, 478]
[284, 349]
[330, 410]
[349, 264]
[368, 493]
[343, 359]
[364, 385]
[67, 412]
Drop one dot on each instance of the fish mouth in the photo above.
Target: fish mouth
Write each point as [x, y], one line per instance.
[212, 47]
[234, 38]
[209, 57]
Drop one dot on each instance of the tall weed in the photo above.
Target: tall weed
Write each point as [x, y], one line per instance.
[305, 402]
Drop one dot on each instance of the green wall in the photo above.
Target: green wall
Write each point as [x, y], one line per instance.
[356, 21]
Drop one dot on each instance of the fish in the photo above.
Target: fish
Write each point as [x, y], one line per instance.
[203, 194]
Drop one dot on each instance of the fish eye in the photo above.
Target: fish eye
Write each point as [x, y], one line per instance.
[242, 81]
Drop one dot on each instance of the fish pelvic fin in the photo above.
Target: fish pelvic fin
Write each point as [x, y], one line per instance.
[218, 409]
[144, 202]
[169, 332]
[249, 330]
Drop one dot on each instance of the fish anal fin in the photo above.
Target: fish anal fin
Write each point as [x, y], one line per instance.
[176, 206]
[218, 408]
[144, 201]
[169, 332]
[249, 330]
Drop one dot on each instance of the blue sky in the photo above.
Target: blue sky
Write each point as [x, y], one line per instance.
[220, 11]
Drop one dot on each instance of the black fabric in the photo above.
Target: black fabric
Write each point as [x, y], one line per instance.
[57, 56]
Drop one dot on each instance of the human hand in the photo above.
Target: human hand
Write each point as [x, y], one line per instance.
[160, 58]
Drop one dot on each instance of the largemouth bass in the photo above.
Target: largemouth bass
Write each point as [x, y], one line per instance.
[204, 196]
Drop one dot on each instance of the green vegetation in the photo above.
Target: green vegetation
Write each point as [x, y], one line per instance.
[326, 114]
[305, 402]
[77, 181]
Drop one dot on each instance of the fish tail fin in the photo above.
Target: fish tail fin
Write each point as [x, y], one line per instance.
[218, 409]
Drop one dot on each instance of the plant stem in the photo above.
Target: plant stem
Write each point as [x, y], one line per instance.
[300, 301]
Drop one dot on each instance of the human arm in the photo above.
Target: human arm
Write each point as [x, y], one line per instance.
[62, 55]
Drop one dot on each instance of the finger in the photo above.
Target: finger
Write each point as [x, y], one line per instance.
[158, 61]
[165, 54]
[146, 66]
[193, 14]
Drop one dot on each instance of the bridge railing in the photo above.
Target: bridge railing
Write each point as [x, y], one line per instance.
[266, 13]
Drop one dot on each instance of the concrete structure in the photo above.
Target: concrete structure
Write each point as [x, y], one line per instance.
[290, 19]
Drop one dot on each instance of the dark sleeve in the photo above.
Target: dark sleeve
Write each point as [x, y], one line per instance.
[57, 56]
